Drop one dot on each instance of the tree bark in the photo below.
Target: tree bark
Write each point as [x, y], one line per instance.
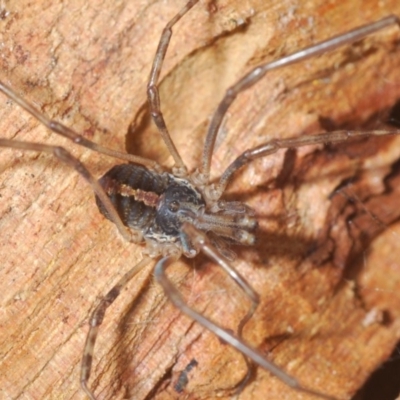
[326, 261]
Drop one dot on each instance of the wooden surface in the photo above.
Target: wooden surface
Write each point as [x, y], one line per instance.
[326, 263]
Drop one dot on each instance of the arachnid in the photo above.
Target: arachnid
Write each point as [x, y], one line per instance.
[120, 353]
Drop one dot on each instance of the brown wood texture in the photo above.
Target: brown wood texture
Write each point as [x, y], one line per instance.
[327, 262]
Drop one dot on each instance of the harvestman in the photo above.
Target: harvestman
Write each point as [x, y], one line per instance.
[179, 213]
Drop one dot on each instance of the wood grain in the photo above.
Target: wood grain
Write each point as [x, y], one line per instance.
[326, 263]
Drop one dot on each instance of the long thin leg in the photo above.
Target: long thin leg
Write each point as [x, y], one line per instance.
[236, 342]
[201, 242]
[257, 73]
[64, 156]
[152, 89]
[96, 320]
[68, 133]
[274, 145]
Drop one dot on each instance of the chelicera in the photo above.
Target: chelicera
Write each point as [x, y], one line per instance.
[179, 212]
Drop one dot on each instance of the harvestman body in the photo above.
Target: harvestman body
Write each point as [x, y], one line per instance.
[179, 213]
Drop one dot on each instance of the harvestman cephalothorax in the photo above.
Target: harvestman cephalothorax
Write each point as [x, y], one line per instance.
[181, 212]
